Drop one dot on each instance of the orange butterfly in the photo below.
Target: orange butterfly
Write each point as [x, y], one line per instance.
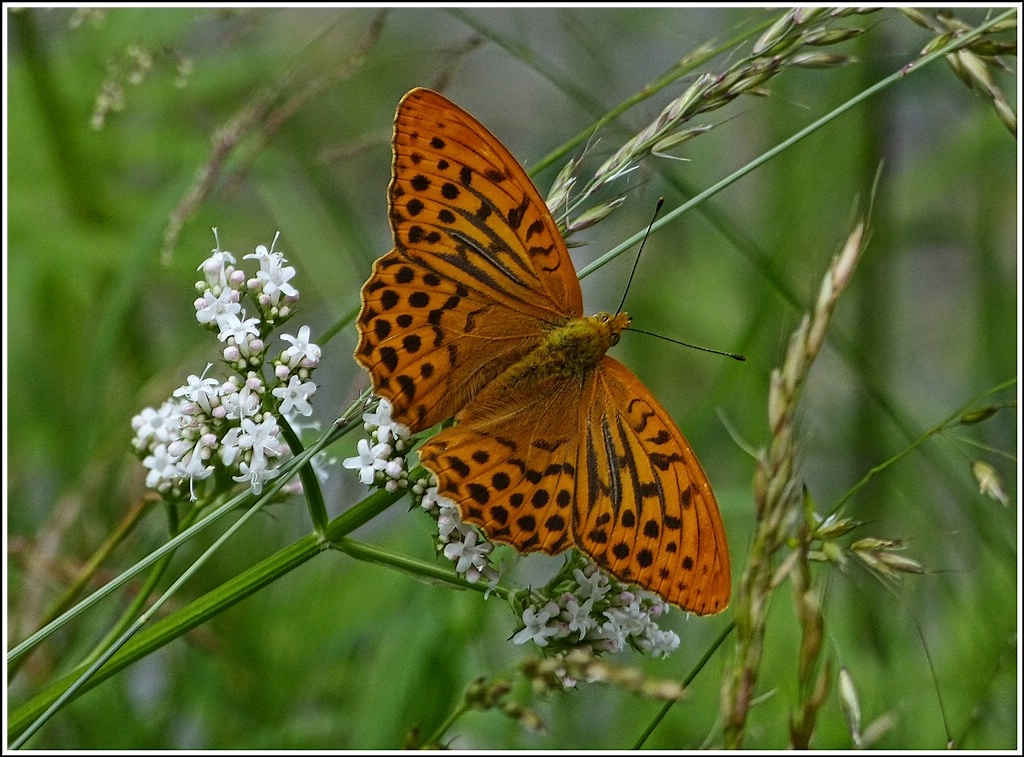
[477, 313]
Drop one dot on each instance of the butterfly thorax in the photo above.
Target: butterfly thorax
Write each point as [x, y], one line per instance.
[568, 350]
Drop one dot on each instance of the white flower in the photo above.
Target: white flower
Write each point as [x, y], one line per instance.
[662, 643]
[192, 465]
[161, 426]
[295, 397]
[396, 474]
[630, 618]
[210, 423]
[380, 418]
[203, 392]
[249, 347]
[303, 353]
[255, 473]
[211, 308]
[537, 629]
[595, 585]
[163, 467]
[577, 616]
[217, 267]
[449, 521]
[656, 606]
[611, 636]
[381, 422]
[431, 499]
[259, 439]
[239, 403]
[468, 554]
[273, 277]
[234, 327]
[369, 460]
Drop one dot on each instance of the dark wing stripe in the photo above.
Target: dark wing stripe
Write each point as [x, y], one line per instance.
[484, 252]
[630, 464]
[614, 482]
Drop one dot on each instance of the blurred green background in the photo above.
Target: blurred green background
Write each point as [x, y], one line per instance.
[285, 114]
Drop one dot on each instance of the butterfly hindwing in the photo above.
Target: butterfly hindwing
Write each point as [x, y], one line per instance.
[644, 509]
[510, 463]
[597, 465]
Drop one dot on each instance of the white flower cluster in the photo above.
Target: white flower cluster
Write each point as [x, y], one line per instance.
[381, 458]
[381, 462]
[210, 427]
[594, 611]
[460, 542]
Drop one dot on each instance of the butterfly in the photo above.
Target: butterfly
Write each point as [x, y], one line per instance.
[477, 313]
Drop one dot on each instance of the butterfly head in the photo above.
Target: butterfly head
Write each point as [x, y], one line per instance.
[611, 324]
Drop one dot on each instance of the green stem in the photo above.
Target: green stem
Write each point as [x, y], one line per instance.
[435, 738]
[125, 527]
[122, 579]
[936, 429]
[310, 485]
[341, 427]
[433, 572]
[679, 70]
[134, 610]
[697, 668]
[81, 682]
[138, 605]
[202, 609]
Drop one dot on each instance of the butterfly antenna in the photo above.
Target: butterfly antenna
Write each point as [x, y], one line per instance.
[733, 355]
[657, 209]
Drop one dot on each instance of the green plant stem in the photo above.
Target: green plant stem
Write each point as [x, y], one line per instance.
[120, 653]
[934, 430]
[142, 596]
[134, 610]
[697, 668]
[122, 579]
[127, 524]
[679, 70]
[424, 571]
[435, 738]
[812, 678]
[310, 485]
[82, 681]
[341, 427]
[199, 611]
[776, 501]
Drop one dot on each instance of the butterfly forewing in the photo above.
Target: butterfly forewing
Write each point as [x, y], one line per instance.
[429, 343]
[460, 200]
[478, 272]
